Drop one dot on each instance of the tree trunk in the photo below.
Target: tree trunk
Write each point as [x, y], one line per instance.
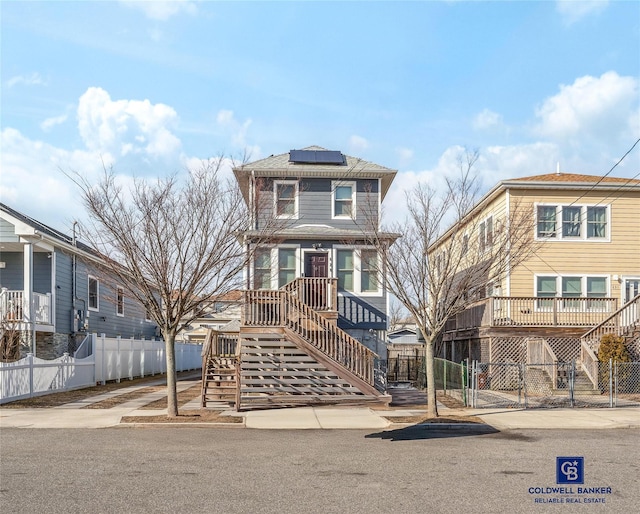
[172, 391]
[432, 406]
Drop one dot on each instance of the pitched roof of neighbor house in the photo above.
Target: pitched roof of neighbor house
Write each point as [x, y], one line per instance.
[281, 166]
[575, 178]
[42, 229]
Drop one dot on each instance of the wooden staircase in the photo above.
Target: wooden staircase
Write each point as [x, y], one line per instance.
[220, 368]
[288, 353]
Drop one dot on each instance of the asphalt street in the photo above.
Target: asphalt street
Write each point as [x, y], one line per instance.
[219, 470]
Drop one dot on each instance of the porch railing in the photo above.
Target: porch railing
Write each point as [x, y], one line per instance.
[222, 344]
[620, 323]
[321, 294]
[534, 311]
[282, 309]
[13, 308]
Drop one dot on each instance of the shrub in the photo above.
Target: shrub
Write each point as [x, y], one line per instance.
[612, 347]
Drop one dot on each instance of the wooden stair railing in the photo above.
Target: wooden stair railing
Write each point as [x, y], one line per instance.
[321, 294]
[220, 356]
[282, 309]
[621, 323]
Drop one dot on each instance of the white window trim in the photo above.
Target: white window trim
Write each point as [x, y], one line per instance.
[334, 185]
[583, 286]
[583, 224]
[482, 241]
[118, 291]
[275, 268]
[276, 183]
[357, 271]
[93, 309]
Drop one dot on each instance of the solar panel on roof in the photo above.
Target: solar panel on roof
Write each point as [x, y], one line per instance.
[316, 157]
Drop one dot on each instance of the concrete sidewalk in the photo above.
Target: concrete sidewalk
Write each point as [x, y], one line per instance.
[72, 415]
[328, 418]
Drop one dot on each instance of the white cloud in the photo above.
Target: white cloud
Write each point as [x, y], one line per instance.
[574, 10]
[33, 79]
[162, 10]
[33, 181]
[49, 123]
[238, 131]
[126, 126]
[487, 119]
[496, 163]
[603, 109]
[404, 154]
[358, 144]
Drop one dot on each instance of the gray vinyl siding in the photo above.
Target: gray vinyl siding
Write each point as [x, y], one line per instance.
[7, 232]
[12, 275]
[41, 272]
[314, 202]
[105, 320]
[64, 304]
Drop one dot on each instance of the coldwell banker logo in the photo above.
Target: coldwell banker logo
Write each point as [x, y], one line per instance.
[569, 479]
[569, 470]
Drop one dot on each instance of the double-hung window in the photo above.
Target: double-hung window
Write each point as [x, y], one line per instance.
[286, 265]
[547, 221]
[262, 269]
[369, 271]
[344, 199]
[345, 269]
[120, 301]
[596, 222]
[571, 222]
[485, 235]
[546, 288]
[94, 294]
[286, 199]
[571, 288]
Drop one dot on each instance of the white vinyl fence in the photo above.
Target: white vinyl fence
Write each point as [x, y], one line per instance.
[103, 359]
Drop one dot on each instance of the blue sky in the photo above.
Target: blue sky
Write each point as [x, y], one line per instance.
[154, 87]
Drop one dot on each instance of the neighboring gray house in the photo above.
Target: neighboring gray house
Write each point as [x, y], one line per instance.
[329, 205]
[51, 288]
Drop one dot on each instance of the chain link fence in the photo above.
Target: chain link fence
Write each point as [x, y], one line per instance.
[559, 384]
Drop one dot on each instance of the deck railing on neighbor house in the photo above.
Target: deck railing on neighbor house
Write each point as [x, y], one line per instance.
[281, 309]
[505, 311]
[620, 323]
[13, 308]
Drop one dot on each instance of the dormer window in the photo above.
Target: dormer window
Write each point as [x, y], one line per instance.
[286, 199]
[343, 199]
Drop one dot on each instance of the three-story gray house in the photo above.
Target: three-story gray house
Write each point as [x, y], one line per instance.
[316, 292]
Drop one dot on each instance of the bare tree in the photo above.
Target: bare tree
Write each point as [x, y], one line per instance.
[445, 258]
[172, 243]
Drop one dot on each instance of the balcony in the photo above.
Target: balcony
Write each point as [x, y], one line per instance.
[530, 311]
[14, 310]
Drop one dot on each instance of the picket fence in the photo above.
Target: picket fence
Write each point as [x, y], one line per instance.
[98, 360]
